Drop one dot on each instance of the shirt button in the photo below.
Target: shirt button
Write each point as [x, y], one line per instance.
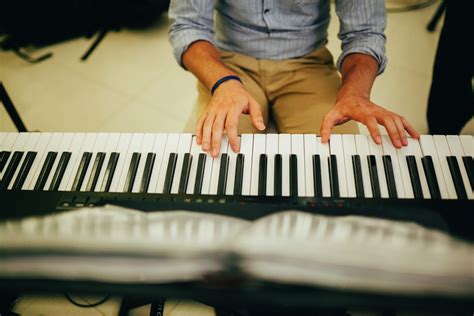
[266, 11]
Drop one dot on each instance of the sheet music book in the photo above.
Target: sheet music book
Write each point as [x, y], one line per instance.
[355, 253]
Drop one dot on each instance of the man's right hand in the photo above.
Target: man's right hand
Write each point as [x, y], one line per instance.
[229, 101]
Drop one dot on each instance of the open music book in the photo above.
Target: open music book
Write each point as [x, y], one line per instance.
[114, 244]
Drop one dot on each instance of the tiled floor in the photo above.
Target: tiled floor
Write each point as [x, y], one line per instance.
[132, 83]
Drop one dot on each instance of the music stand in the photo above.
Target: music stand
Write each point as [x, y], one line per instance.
[11, 110]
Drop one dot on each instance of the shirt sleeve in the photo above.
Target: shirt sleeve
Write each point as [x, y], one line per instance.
[191, 20]
[362, 26]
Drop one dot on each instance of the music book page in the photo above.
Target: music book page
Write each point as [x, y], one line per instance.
[353, 253]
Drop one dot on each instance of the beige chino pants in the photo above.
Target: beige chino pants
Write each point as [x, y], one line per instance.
[295, 93]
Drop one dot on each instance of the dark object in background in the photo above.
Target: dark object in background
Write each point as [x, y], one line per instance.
[42, 23]
[451, 99]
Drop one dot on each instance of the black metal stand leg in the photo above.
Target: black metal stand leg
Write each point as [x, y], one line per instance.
[129, 303]
[434, 20]
[11, 110]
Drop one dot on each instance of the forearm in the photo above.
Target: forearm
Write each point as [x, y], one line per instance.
[358, 75]
[204, 61]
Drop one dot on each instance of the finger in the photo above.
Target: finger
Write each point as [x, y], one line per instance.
[373, 128]
[326, 127]
[401, 130]
[199, 129]
[217, 130]
[231, 124]
[256, 115]
[411, 131]
[207, 133]
[392, 132]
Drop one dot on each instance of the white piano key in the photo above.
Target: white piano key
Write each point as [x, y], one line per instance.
[122, 149]
[229, 190]
[377, 151]
[348, 142]
[414, 149]
[336, 148]
[171, 147]
[467, 142]
[3, 135]
[323, 152]
[63, 146]
[297, 148]
[30, 144]
[87, 146]
[456, 149]
[284, 149]
[14, 143]
[147, 147]
[71, 169]
[271, 148]
[402, 153]
[159, 149]
[196, 150]
[309, 151]
[112, 143]
[99, 144]
[134, 147]
[362, 146]
[206, 181]
[428, 148]
[259, 143]
[184, 147]
[52, 145]
[246, 147]
[391, 151]
[442, 149]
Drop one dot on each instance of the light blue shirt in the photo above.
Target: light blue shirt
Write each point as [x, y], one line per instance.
[278, 29]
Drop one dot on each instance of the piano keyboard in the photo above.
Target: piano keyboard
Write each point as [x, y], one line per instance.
[281, 165]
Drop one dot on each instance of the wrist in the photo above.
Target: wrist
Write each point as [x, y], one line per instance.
[226, 80]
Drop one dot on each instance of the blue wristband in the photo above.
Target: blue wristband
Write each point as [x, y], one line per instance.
[222, 80]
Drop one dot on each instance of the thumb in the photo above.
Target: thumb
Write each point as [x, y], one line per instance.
[256, 115]
[326, 127]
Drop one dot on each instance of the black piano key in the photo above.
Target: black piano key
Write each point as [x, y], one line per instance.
[278, 176]
[4, 155]
[10, 171]
[374, 176]
[359, 182]
[200, 173]
[45, 170]
[414, 177]
[81, 171]
[24, 170]
[457, 178]
[60, 170]
[333, 176]
[221, 185]
[469, 166]
[110, 171]
[317, 179]
[96, 168]
[149, 163]
[262, 175]
[430, 173]
[170, 172]
[132, 172]
[184, 178]
[388, 168]
[293, 175]
[239, 174]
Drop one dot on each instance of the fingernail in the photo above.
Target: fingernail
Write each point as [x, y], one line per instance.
[214, 152]
[398, 144]
[205, 146]
[378, 139]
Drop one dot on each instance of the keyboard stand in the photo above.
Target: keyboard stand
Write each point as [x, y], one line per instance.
[11, 110]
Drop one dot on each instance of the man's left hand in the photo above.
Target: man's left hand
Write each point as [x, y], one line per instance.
[362, 110]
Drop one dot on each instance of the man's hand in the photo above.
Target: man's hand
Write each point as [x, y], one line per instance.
[229, 101]
[370, 114]
[353, 102]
